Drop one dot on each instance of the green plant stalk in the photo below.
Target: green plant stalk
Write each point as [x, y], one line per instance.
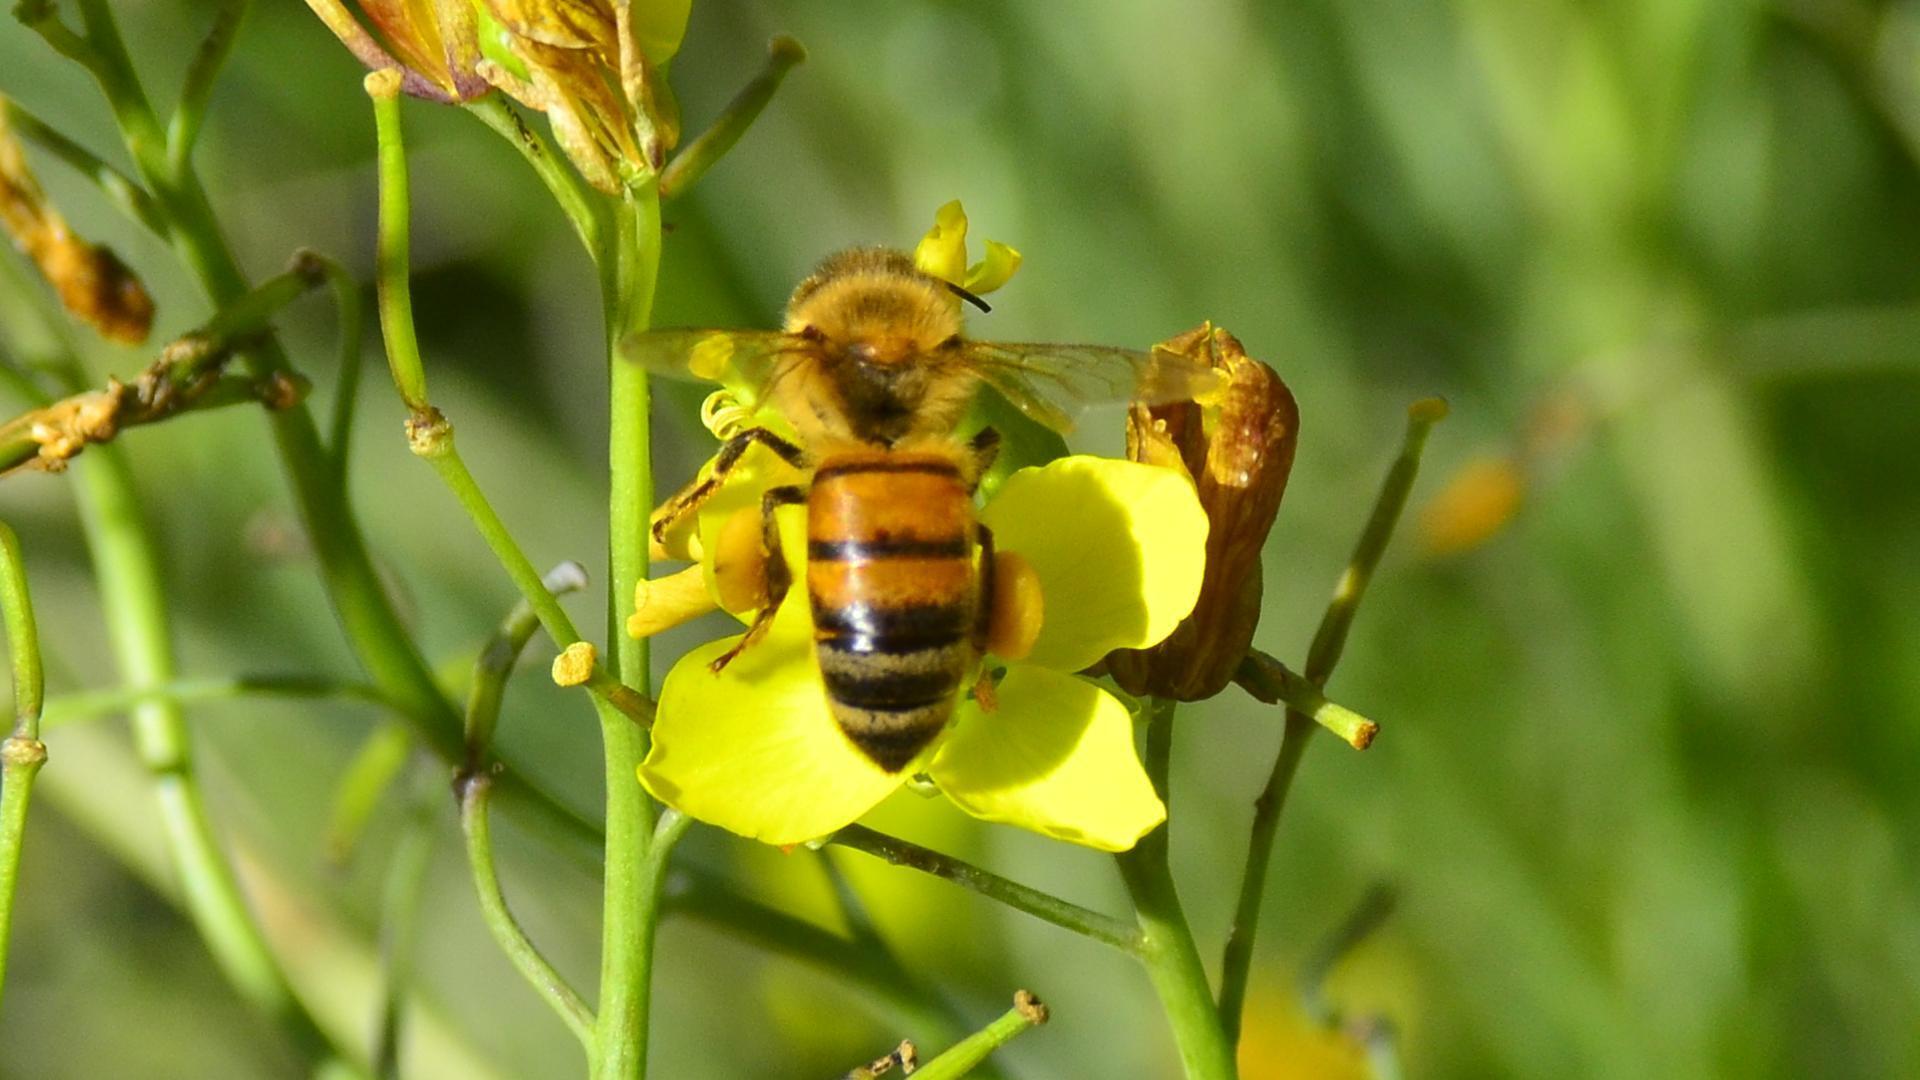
[699, 155]
[120, 189]
[961, 1060]
[1328, 641]
[90, 704]
[1272, 682]
[127, 569]
[1167, 948]
[400, 896]
[366, 614]
[472, 789]
[584, 207]
[1041, 905]
[363, 784]
[183, 131]
[22, 754]
[636, 859]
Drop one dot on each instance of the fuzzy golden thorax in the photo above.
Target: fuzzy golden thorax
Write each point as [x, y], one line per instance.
[886, 362]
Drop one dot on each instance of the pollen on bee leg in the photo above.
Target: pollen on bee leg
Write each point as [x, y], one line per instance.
[740, 561]
[665, 602]
[985, 694]
[1018, 607]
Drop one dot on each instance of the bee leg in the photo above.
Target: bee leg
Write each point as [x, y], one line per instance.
[779, 578]
[985, 447]
[689, 499]
[983, 616]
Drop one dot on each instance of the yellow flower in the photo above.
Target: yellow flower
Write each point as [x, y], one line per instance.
[597, 68]
[433, 42]
[1118, 549]
[943, 254]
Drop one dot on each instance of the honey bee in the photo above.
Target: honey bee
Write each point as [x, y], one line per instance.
[874, 373]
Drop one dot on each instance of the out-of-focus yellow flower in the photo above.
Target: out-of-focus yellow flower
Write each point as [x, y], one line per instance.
[1238, 450]
[90, 279]
[1281, 1042]
[1475, 504]
[943, 254]
[1117, 548]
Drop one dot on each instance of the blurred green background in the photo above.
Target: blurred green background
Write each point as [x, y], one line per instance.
[1646, 784]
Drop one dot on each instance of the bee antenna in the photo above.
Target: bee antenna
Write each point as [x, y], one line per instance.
[968, 297]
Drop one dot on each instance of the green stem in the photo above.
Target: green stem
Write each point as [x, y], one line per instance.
[880, 979]
[960, 1060]
[695, 158]
[89, 704]
[363, 784]
[473, 790]
[1272, 682]
[1084, 921]
[359, 599]
[488, 686]
[120, 189]
[584, 207]
[183, 131]
[635, 858]
[1328, 641]
[399, 922]
[128, 572]
[1167, 949]
[22, 754]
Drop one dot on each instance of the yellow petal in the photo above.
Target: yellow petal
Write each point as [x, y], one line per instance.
[942, 253]
[1056, 757]
[993, 271]
[659, 26]
[1119, 547]
[754, 749]
[758, 470]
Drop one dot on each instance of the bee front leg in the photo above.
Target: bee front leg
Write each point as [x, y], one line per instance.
[779, 578]
[689, 499]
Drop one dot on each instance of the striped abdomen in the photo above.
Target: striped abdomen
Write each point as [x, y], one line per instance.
[890, 574]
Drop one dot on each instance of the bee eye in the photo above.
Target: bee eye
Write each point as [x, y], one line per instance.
[951, 343]
[811, 333]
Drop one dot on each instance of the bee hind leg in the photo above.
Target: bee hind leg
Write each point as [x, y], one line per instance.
[779, 578]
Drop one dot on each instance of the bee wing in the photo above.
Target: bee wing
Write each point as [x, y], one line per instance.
[744, 361]
[1039, 378]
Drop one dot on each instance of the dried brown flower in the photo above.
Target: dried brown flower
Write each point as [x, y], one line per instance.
[1238, 450]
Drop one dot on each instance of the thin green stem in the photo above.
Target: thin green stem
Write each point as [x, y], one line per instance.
[1272, 682]
[584, 207]
[351, 314]
[1041, 905]
[366, 614]
[363, 785]
[635, 859]
[183, 131]
[1167, 949]
[699, 155]
[428, 431]
[704, 896]
[121, 190]
[960, 1060]
[1237, 958]
[488, 686]
[400, 919]
[90, 704]
[22, 754]
[128, 572]
[473, 790]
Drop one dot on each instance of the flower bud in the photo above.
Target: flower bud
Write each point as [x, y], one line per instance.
[435, 42]
[1238, 450]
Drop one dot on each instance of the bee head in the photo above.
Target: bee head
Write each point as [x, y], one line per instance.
[887, 338]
